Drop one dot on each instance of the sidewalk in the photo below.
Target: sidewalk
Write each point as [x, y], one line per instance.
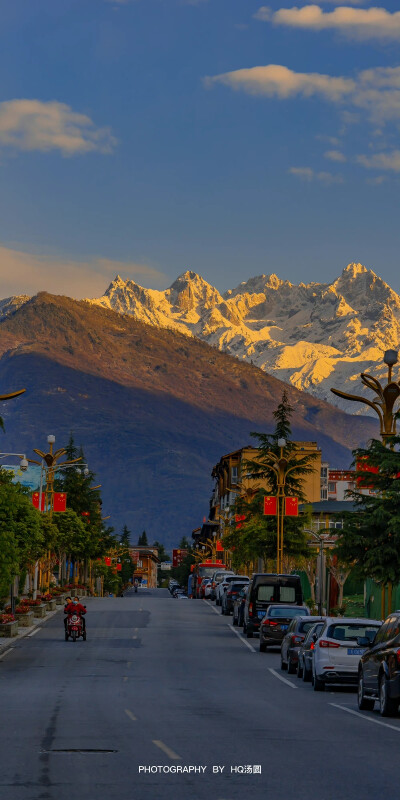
[6, 643]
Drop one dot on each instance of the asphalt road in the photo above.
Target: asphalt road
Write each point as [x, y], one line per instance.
[167, 683]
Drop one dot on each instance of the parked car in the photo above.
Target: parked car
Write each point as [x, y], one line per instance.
[304, 663]
[216, 579]
[172, 585]
[266, 588]
[208, 590]
[336, 655]
[224, 585]
[275, 623]
[291, 643]
[202, 587]
[379, 668]
[221, 586]
[229, 595]
[177, 589]
[238, 606]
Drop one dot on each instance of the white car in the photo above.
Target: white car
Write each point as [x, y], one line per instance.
[208, 590]
[336, 653]
[222, 587]
[216, 579]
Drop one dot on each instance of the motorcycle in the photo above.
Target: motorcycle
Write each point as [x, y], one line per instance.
[75, 628]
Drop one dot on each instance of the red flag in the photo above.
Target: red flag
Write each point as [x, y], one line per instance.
[292, 506]
[107, 561]
[239, 519]
[270, 506]
[60, 501]
[220, 546]
[35, 500]
[119, 567]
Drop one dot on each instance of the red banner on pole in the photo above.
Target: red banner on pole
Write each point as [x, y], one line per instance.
[292, 506]
[107, 561]
[60, 501]
[178, 555]
[220, 547]
[270, 506]
[35, 500]
[119, 567]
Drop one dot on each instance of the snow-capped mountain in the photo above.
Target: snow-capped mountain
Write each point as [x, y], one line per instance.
[314, 336]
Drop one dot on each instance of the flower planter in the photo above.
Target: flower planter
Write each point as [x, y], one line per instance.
[51, 605]
[39, 611]
[25, 620]
[60, 599]
[9, 629]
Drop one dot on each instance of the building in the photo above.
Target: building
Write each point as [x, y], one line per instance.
[147, 561]
[232, 477]
[327, 515]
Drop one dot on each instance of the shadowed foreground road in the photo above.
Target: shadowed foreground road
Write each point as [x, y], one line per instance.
[167, 683]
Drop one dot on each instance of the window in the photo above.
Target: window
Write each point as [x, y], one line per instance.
[287, 594]
[324, 472]
[234, 474]
[265, 593]
[324, 494]
[332, 487]
[349, 632]
[286, 611]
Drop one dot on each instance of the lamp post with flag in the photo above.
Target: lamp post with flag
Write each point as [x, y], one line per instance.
[280, 505]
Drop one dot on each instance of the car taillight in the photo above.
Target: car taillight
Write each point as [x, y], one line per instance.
[312, 646]
[269, 623]
[325, 643]
[297, 639]
[250, 608]
[398, 656]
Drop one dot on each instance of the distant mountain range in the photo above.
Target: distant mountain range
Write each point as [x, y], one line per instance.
[153, 408]
[313, 336]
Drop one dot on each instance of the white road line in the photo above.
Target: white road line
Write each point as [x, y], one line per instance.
[212, 607]
[167, 750]
[250, 646]
[33, 633]
[130, 715]
[365, 718]
[6, 652]
[281, 678]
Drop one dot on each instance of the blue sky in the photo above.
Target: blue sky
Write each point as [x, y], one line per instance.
[136, 137]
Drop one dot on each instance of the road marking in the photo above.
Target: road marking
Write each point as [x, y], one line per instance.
[33, 633]
[130, 715]
[250, 646]
[167, 750]
[6, 652]
[281, 678]
[367, 719]
[212, 607]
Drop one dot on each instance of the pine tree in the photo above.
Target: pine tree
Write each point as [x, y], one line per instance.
[143, 539]
[125, 536]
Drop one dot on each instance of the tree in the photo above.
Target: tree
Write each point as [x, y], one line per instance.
[256, 536]
[184, 544]
[125, 536]
[371, 535]
[162, 553]
[143, 539]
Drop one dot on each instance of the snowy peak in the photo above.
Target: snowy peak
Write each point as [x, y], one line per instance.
[11, 304]
[312, 335]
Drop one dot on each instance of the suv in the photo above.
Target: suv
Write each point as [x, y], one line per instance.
[223, 586]
[216, 579]
[294, 638]
[337, 652]
[232, 591]
[265, 589]
[379, 668]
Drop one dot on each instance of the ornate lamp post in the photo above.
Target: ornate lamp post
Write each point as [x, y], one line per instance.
[384, 401]
[280, 466]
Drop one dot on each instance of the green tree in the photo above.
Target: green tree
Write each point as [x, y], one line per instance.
[371, 535]
[125, 536]
[143, 539]
[22, 538]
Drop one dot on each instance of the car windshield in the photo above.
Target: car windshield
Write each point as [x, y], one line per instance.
[286, 611]
[349, 632]
[304, 627]
[235, 587]
[206, 572]
[313, 629]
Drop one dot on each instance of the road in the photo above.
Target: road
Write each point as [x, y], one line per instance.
[168, 683]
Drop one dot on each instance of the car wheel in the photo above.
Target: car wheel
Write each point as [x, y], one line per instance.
[388, 707]
[283, 665]
[222, 611]
[291, 667]
[318, 685]
[299, 670]
[263, 647]
[234, 621]
[249, 634]
[306, 676]
[364, 703]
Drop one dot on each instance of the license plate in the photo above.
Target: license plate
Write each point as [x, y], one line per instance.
[284, 627]
[260, 614]
[354, 651]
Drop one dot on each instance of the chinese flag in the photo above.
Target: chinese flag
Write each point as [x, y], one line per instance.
[219, 546]
[107, 561]
[35, 500]
[292, 506]
[119, 567]
[60, 501]
[270, 506]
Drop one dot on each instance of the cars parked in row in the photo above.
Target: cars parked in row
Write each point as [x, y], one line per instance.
[275, 623]
[378, 675]
[238, 606]
[294, 638]
[304, 661]
[232, 590]
[337, 652]
[266, 589]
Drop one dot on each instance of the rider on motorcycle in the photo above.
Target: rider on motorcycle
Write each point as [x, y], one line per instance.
[75, 607]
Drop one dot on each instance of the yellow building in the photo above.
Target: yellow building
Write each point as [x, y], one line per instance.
[147, 561]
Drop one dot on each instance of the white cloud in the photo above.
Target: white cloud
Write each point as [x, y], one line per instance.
[275, 80]
[28, 273]
[358, 23]
[376, 181]
[335, 155]
[308, 174]
[43, 126]
[389, 161]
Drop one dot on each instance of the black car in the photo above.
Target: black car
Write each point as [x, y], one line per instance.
[296, 633]
[304, 661]
[266, 588]
[275, 623]
[379, 668]
[229, 596]
[238, 606]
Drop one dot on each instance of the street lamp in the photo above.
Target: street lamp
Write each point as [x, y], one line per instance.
[385, 397]
[280, 466]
